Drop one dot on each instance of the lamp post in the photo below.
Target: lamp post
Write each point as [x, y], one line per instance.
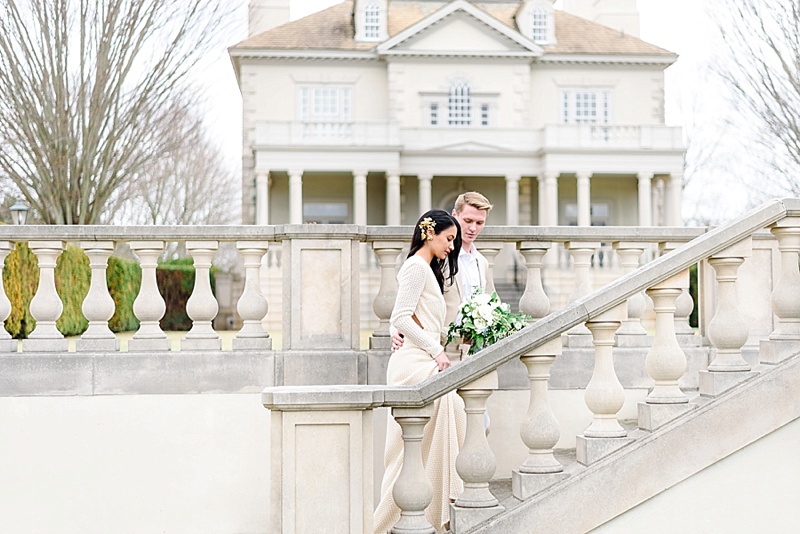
[19, 212]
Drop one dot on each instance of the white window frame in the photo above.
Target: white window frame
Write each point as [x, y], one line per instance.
[372, 21]
[459, 105]
[540, 24]
[325, 110]
[586, 106]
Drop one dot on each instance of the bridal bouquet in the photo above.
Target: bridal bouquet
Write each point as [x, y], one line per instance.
[484, 320]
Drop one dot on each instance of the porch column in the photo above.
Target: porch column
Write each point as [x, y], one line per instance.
[542, 200]
[584, 199]
[645, 198]
[551, 187]
[512, 199]
[360, 197]
[262, 197]
[424, 192]
[658, 202]
[296, 196]
[674, 188]
[393, 198]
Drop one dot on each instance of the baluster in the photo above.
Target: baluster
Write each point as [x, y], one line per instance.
[783, 340]
[683, 307]
[7, 344]
[540, 429]
[476, 462]
[252, 305]
[581, 253]
[490, 249]
[665, 362]
[727, 331]
[412, 491]
[149, 306]
[387, 252]
[629, 254]
[46, 306]
[604, 394]
[98, 306]
[534, 300]
[202, 305]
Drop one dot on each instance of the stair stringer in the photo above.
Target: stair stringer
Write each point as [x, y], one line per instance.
[656, 461]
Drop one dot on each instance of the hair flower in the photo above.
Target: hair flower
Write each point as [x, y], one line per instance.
[426, 224]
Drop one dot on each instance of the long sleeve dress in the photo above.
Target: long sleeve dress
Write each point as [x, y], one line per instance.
[418, 294]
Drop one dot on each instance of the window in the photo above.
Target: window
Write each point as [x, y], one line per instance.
[539, 29]
[325, 212]
[372, 21]
[459, 105]
[484, 114]
[326, 110]
[585, 107]
[433, 114]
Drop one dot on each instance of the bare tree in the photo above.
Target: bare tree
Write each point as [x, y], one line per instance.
[86, 90]
[761, 68]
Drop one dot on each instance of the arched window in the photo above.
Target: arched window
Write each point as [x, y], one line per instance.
[539, 23]
[459, 105]
[372, 21]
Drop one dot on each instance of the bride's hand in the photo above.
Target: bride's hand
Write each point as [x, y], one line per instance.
[443, 361]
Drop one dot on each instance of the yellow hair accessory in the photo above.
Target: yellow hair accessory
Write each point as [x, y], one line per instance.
[426, 224]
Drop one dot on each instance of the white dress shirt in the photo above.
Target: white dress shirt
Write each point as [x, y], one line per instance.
[469, 271]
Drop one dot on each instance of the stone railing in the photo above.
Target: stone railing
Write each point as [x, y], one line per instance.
[342, 416]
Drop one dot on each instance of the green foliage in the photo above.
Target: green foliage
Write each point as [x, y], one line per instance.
[483, 320]
[175, 280]
[124, 277]
[72, 277]
[20, 279]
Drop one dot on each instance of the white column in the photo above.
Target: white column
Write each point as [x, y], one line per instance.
[360, 197]
[542, 200]
[584, 199]
[295, 196]
[393, 198]
[512, 199]
[46, 306]
[658, 202]
[551, 186]
[202, 305]
[98, 306]
[262, 197]
[674, 190]
[424, 192]
[645, 198]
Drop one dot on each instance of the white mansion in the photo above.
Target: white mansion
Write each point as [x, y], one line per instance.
[373, 111]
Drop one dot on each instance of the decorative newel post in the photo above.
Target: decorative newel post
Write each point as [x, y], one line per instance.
[534, 301]
[581, 253]
[46, 306]
[149, 306]
[629, 254]
[252, 305]
[540, 429]
[412, 491]
[727, 331]
[7, 344]
[387, 252]
[785, 296]
[490, 249]
[666, 361]
[604, 394]
[202, 305]
[98, 306]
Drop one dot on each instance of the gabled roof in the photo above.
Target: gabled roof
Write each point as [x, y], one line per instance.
[332, 30]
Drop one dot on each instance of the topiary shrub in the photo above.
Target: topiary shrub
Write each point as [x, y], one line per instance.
[175, 280]
[20, 280]
[72, 276]
[124, 277]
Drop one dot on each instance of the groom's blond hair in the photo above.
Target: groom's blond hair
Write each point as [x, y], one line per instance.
[474, 199]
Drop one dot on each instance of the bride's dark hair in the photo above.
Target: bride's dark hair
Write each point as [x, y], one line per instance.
[441, 221]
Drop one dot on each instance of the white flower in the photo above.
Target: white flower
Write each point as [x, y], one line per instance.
[480, 324]
[486, 312]
[481, 299]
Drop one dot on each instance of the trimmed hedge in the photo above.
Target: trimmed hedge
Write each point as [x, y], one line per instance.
[175, 280]
[20, 280]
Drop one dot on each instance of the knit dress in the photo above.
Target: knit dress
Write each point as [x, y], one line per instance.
[418, 294]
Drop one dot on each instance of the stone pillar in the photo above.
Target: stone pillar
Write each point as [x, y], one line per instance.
[393, 198]
[149, 306]
[629, 254]
[424, 192]
[252, 305]
[604, 394]
[46, 306]
[412, 491]
[658, 203]
[7, 344]
[674, 191]
[584, 198]
[98, 306]
[581, 253]
[534, 301]
[540, 429]
[295, 196]
[262, 197]
[727, 330]
[542, 205]
[512, 199]
[551, 186]
[645, 180]
[360, 197]
[387, 252]
[202, 306]
[785, 295]
[665, 361]
[490, 249]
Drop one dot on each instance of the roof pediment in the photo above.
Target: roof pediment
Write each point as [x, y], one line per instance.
[469, 146]
[460, 29]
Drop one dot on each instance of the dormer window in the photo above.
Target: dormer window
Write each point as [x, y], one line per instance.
[539, 24]
[372, 21]
[536, 22]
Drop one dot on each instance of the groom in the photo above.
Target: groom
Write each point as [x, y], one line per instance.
[470, 210]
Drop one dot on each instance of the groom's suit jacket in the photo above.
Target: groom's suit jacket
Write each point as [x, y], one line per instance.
[454, 294]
